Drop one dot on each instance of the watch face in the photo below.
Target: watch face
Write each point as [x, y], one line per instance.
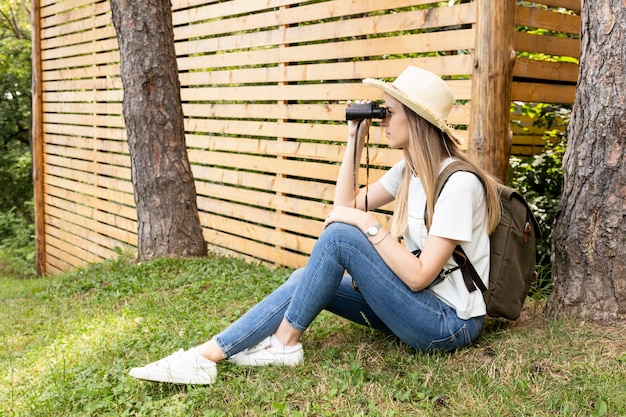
[372, 230]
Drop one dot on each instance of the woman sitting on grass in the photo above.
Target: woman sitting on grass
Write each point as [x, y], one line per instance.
[388, 288]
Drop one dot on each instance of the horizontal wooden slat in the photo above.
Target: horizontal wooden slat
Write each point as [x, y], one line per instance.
[531, 131]
[312, 92]
[104, 58]
[459, 115]
[103, 108]
[85, 131]
[549, 45]
[526, 151]
[109, 70]
[86, 120]
[108, 83]
[543, 93]
[545, 19]
[573, 5]
[446, 65]
[83, 96]
[545, 70]
[409, 44]
[534, 142]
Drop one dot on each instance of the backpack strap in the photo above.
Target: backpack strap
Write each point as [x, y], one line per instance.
[470, 276]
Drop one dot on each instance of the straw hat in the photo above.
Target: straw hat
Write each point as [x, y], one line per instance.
[424, 93]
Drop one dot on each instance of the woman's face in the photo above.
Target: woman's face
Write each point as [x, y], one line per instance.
[396, 124]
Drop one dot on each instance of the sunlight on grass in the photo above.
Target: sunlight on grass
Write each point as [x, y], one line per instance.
[68, 342]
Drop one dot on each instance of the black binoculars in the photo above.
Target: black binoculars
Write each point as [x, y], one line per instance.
[365, 111]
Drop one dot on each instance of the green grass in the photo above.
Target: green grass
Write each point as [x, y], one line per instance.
[68, 341]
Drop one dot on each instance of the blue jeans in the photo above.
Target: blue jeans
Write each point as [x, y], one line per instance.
[384, 302]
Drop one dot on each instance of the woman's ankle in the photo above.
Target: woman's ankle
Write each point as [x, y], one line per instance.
[287, 335]
[211, 351]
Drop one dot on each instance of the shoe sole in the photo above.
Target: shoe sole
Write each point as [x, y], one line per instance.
[246, 361]
[209, 379]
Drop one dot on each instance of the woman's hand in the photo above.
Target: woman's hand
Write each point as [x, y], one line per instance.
[349, 215]
[363, 129]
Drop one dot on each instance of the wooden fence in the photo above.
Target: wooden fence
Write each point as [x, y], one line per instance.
[264, 86]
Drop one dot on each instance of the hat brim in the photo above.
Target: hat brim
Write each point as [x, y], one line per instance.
[418, 107]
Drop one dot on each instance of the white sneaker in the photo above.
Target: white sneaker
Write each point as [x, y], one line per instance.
[265, 354]
[182, 367]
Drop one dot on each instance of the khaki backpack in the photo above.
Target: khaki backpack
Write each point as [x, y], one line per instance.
[512, 252]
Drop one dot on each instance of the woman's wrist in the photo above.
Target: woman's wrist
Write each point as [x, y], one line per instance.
[367, 221]
[383, 236]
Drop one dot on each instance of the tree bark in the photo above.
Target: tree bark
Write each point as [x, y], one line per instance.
[589, 244]
[165, 194]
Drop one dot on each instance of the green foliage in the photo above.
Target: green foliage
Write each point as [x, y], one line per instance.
[15, 85]
[14, 19]
[16, 208]
[15, 76]
[67, 343]
[17, 243]
[540, 178]
[16, 178]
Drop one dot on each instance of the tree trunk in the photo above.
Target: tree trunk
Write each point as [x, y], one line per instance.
[165, 194]
[589, 245]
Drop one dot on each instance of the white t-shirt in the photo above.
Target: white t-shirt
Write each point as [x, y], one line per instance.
[460, 214]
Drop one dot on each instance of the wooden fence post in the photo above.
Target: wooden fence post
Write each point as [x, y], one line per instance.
[490, 136]
[37, 142]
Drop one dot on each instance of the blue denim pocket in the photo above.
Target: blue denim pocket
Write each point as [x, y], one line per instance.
[457, 340]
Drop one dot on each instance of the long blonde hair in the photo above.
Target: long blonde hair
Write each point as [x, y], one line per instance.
[427, 147]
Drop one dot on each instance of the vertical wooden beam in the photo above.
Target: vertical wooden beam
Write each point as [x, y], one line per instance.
[490, 136]
[283, 66]
[37, 142]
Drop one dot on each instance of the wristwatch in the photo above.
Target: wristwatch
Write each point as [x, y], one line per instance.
[373, 230]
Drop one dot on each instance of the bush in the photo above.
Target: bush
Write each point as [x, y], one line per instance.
[539, 179]
[17, 241]
[16, 169]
